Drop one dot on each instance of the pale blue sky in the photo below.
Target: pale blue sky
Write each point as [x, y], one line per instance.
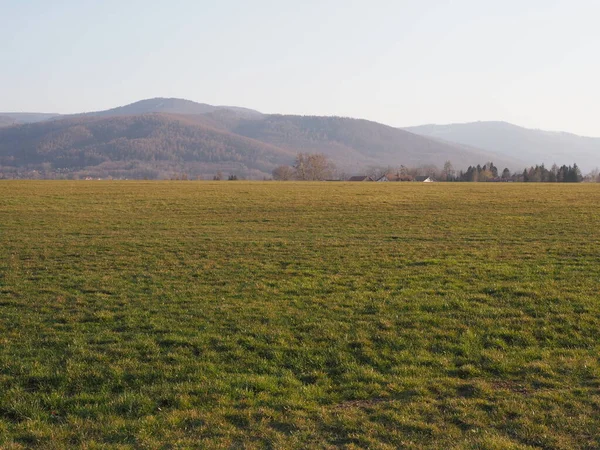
[535, 63]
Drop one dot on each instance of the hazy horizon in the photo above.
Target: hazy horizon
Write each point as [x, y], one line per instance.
[401, 63]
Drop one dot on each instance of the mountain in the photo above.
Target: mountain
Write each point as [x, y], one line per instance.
[170, 106]
[154, 105]
[532, 146]
[354, 143]
[20, 118]
[6, 121]
[156, 138]
[149, 145]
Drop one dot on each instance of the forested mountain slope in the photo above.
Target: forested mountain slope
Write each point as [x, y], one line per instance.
[157, 137]
[157, 142]
[532, 146]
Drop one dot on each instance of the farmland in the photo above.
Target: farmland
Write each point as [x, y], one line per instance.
[295, 315]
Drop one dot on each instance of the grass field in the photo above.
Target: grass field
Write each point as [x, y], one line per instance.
[290, 315]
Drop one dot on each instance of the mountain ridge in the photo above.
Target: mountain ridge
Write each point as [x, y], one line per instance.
[534, 146]
[498, 122]
[177, 134]
[155, 145]
[169, 105]
[150, 145]
[17, 118]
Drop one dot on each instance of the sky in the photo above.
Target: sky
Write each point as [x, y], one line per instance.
[534, 63]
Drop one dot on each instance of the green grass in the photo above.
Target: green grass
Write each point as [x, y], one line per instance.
[290, 315]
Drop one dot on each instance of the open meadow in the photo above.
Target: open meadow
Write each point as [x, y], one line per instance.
[299, 315]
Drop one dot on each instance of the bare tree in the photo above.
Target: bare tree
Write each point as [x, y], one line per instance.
[593, 176]
[283, 173]
[429, 170]
[300, 166]
[448, 173]
[313, 167]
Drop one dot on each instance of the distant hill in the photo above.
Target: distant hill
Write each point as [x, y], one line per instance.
[170, 106]
[6, 121]
[354, 143]
[150, 145]
[532, 146]
[155, 138]
[20, 118]
[154, 105]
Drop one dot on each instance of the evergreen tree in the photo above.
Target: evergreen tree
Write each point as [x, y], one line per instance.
[576, 176]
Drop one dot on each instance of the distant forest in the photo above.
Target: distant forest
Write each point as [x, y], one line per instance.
[538, 174]
[313, 167]
[228, 146]
[165, 145]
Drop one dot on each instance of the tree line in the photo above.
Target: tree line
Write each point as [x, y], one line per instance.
[315, 167]
[306, 167]
[537, 174]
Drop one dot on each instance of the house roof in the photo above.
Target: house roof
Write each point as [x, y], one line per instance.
[360, 178]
